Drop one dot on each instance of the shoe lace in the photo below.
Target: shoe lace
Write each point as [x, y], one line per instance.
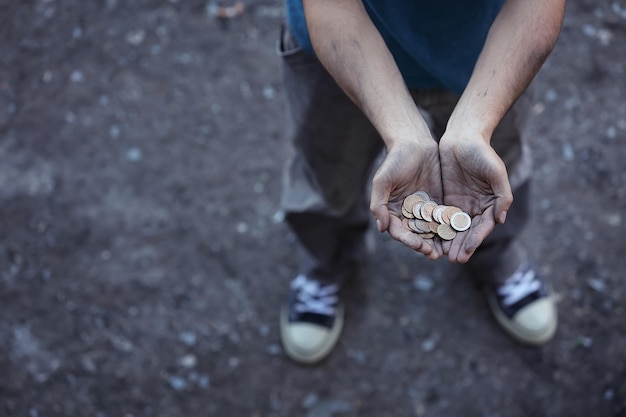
[518, 286]
[313, 297]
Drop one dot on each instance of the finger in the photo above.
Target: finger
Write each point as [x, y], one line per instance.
[446, 245]
[477, 234]
[504, 198]
[378, 203]
[412, 240]
[455, 246]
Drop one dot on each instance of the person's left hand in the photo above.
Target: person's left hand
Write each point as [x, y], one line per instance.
[475, 179]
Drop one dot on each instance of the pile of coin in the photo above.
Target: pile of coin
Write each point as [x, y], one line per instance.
[425, 217]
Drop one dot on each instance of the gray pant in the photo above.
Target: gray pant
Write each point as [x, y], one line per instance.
[334, 148]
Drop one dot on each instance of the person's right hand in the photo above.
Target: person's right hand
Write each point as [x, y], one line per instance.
[475, 179]
[409, 166]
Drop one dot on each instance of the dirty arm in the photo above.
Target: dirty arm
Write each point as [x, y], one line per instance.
[474, 177]
[519, 41]
[350, 47]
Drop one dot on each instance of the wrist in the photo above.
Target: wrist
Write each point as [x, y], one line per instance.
[412, 130]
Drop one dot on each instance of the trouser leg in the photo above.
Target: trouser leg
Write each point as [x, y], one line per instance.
[334, 146]
[501, 252]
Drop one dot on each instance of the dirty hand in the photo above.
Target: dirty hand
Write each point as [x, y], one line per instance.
[408, 166]
[475, 179]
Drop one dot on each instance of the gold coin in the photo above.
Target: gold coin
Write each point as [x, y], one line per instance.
[445, 232]
[423, 194]
[460, 221]
[433, 226]
[427, 210]
[406, 213]
[411, 201]
[426, 235]
[449, 211]
[405, 223]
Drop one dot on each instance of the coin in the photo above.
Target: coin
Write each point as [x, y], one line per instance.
[422, 194]
[438, 212]
[449, 211]
[428, 219]
[411, 201]
[417, 210]
[420, 226]
[445, 232]
[460, 221]
[427, 210]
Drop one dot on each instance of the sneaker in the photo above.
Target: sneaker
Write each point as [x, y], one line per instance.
[524, 306]
[312, 320]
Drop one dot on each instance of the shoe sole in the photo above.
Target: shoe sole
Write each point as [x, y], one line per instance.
[307, 357]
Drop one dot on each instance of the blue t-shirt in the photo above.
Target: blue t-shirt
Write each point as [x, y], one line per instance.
[434, 43]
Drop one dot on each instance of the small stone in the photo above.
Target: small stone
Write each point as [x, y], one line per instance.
[429, 345]
[611, 132]
[328, 408]
[278, 217]
[585, 341]
[233, 362]
[47, 77]
[568, 152]
[242, 227]
[188, 338]
[177, 383]
[204, 381]
[614, 219]
[188, 361]
[103, 101]
[264, 330]
[589, 30]
[77, 76]
[77, 33]
[596, 285]
[268, 92]
[357, 355]
[134, 154]
[309, 400]
[608, 394]
[423, 283]
[135, 37]
[114, 132]
[273, 349]
[551, 95]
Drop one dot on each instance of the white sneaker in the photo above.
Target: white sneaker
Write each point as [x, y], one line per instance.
[524, 307]
[312, 320]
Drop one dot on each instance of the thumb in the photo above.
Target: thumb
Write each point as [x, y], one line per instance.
[504, 199]
[378, 203]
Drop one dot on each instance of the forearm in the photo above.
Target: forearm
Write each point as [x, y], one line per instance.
[348, 44]
[519, 41]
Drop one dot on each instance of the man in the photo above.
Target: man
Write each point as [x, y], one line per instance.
[360, 75]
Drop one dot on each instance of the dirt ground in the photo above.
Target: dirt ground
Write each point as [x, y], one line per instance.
[143, 258]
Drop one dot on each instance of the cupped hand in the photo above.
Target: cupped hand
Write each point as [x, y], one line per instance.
[409, 166]
[475, 179]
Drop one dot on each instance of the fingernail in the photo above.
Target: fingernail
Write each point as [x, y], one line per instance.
[378, 225]
[503, 217]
